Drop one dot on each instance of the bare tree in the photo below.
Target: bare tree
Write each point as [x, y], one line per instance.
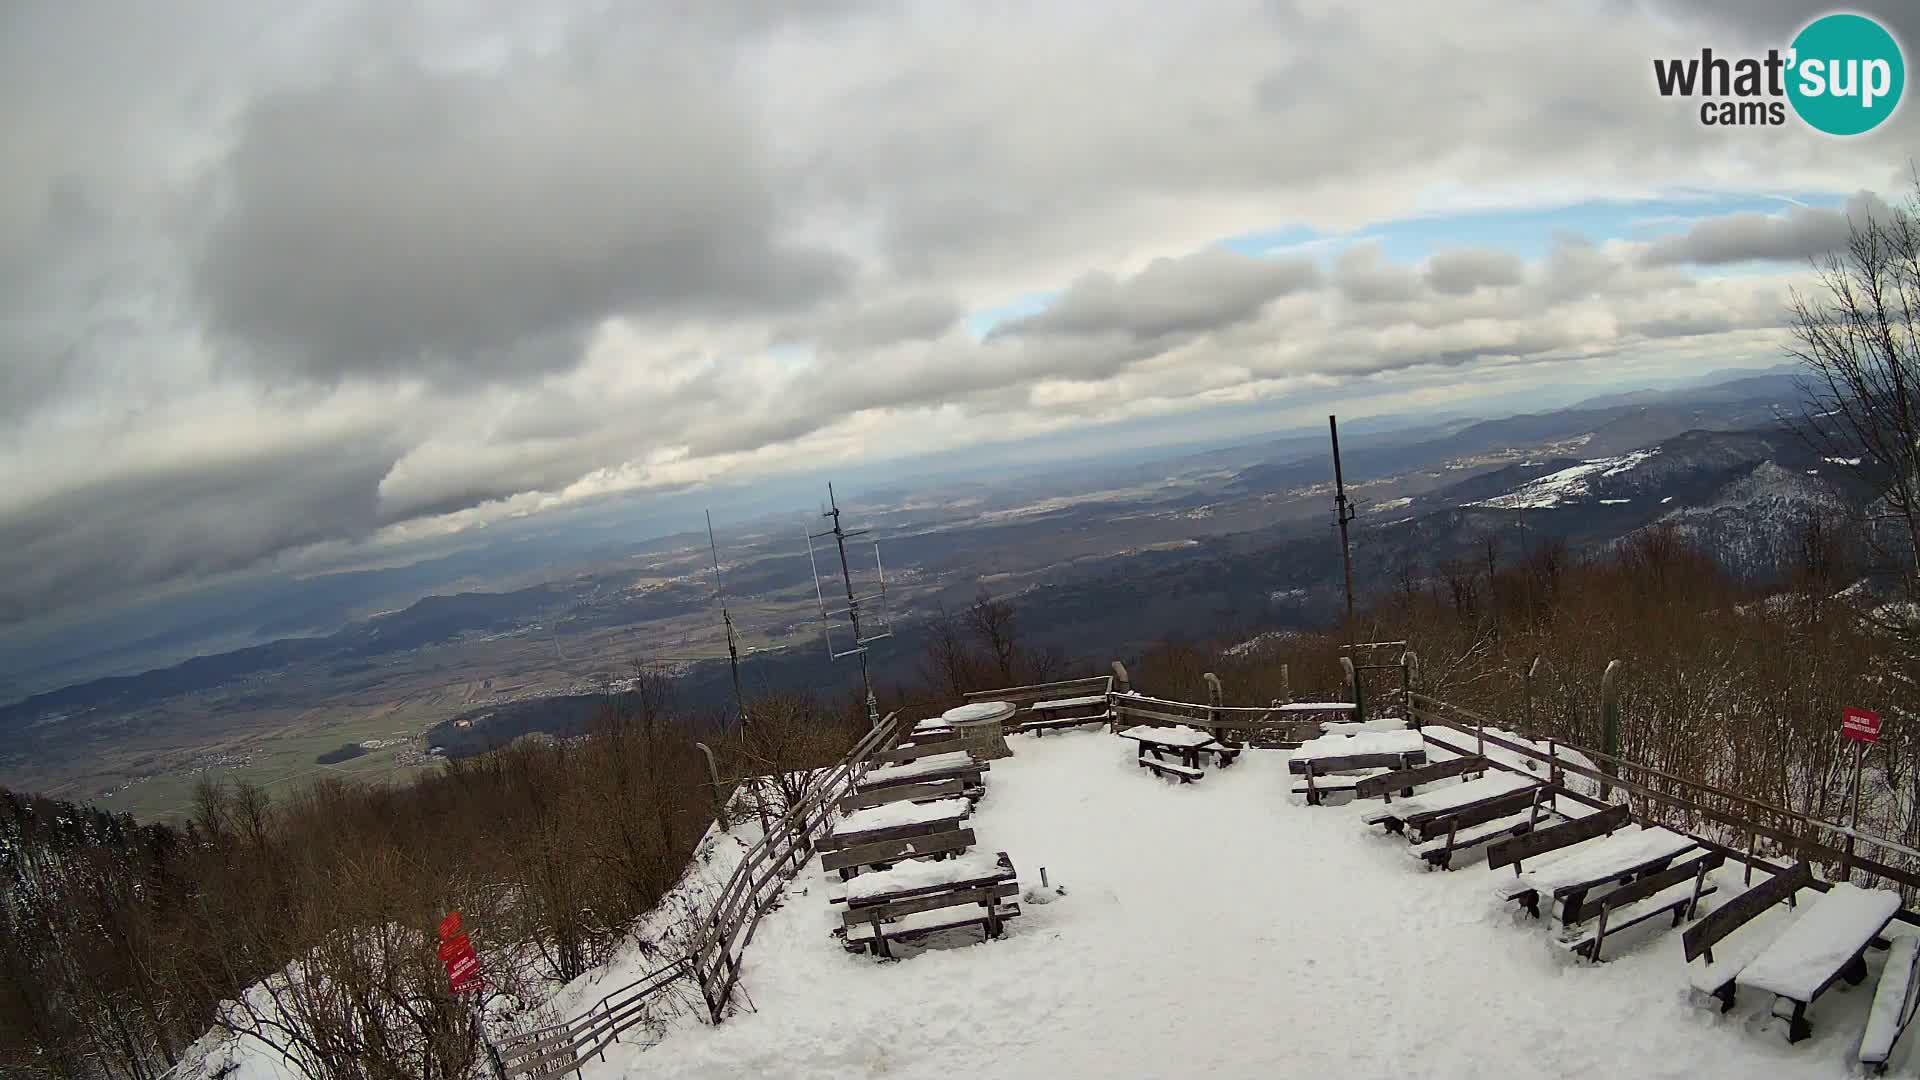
[1857, 338]
[992, 622]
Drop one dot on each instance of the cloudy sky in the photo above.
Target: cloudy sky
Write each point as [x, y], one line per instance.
[286, 281]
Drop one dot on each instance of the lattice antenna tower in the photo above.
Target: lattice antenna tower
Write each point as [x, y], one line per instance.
[734, 651]
[865, 613]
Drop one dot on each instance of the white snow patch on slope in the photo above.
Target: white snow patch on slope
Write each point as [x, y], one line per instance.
[1566, 485]
[1214, 929]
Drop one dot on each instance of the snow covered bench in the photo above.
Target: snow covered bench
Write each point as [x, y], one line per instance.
[913, 877]
[1716, 979]
[1894, 1001]
[1179, 739]
[950, 765]
[1676, 891]
[1044, 716]
[875, 926]
[929, 792]
[1385, 784]
[1183, 773]
[1435, 812]
[1619, 857]
[895, 821]
[1826, 943]
[847, 861]
[1540, 842]
[1462, 835]
[1365, 750]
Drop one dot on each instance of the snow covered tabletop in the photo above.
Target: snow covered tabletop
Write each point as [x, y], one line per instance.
[909, 874]
[1827, 934]
[977, 712]
[926, 766]
[1456, 795]
[1177, 735]
[931, 723]
[1069, 703]
[1601, 858]
[894, 815]
[1365, 742]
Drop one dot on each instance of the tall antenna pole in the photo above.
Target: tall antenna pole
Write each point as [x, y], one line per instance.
[852, 610]
[1343, 510]
[726, 617]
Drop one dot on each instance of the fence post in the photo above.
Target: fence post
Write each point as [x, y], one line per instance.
[1120, 682]
[1409, 678]
[1353, 688]
[719, 800]
[1609, 724]
[1526, 681]
[1286, 685]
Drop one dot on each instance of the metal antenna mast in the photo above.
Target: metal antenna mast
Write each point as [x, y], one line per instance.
[1344, 511]
[726, 617]
[854, 601]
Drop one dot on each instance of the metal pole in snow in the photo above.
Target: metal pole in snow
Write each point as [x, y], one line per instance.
[1853, 819]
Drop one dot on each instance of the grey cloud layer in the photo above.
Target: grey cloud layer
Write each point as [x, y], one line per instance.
[525, 254]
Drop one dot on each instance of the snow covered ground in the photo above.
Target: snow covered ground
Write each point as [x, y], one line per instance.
[1223, 929]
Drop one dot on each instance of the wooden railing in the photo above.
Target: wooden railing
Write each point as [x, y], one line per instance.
[1274, 726]
[1728, 821]
[713, 963]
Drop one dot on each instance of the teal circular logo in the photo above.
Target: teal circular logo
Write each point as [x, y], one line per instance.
[1846, 74]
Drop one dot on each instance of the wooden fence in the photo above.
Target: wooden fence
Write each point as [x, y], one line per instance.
[713, 964]
[1729, 822]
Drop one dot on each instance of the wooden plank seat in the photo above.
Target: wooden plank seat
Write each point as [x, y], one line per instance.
[848, 861]
[915, 751]
[1543, 841]
[1495, 795]
[948, 766]
[1617, 858]
[1438, 852]
[919, 877]
[928, 792]
[1894, 1003]
[894, 821]
[1404, 780]
[1182, 773]
[874, 927]
[1675, 891]
[1318, 785]
[1364, 750]
[1060, 713]
[1716, 979]
[1827, 942]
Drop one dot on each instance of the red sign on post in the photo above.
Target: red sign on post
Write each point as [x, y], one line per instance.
[1860, 725]
[463, 967]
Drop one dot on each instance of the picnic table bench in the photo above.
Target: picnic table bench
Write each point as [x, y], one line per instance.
[1059, 713]
[1825, 943]
[876, 926]
[849, 860]
[895, 821]
[1457, 805]
[945, 764]
[926, 792]
[1675, 891]
[1189, 743]
[912, 877]
[1894, 1003]
[1459, 832]
[1619, 857]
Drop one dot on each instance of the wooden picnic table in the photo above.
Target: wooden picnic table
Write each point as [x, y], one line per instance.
[1180, 739]
[940, 766]
[1495, 795]
[1619, 857]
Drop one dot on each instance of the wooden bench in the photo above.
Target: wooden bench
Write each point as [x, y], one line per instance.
[1185, 774]
[874, 927]
[1462, 834]
[1368, 767]
[914, 751]
[1700, 939]
[1188, 742]
[957, 870]
[1430, 824]
[1396, 759]
[1643, 899]
[1619, 857]
[1514, 852]
[1493, 795]
[849, 860]
[1062, 713]
[951, 765]
[1894, 1003]
[1407, 778]
[940, 789]
[1827, 942]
